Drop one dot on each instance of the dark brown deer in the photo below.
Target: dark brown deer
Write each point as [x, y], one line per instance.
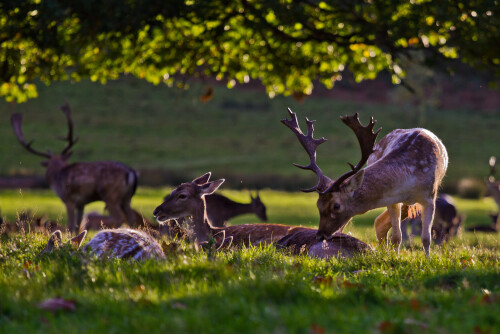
[188, 200]
[221, 209]
[122, 243]
[406, 166]
[492, 228]
[493, 188]
[447, 221]
[80, 183]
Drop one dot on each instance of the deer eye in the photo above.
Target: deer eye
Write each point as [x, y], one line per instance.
[181, 196]
[336, 206]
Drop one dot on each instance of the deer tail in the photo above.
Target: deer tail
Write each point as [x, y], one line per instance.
[132, 181]
[414, 210]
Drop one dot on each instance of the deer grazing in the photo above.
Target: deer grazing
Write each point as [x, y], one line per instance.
[492, 189]
[80, 183]
[122, 243]
[188, 199]
[221, 209]
[406, 166]
[447, 220]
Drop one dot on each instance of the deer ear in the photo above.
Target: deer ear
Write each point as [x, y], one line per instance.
[76, 242]
[54, 241]
[354, 182]
[211, 187]
[202, 179]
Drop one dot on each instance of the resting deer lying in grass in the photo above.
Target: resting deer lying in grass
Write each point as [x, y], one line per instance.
[188, 199]
[80, 183]
[406, 166]
[120, 243]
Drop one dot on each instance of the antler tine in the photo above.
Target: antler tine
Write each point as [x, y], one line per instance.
[16, 121]
[69, 138]
[310, 145]
[366, 138]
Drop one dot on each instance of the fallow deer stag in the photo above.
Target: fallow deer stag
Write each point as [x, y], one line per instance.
[80, 183]
[122, 243]
[405, 166]
[188, 199]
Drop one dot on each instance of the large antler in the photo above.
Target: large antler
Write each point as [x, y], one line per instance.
[310, 144]
[366, 138]
[16, 121]
[69, 138]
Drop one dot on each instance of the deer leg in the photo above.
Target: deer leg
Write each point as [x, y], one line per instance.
[78, 217]
[129, 214]
[382, 227]
[427, 218]
[70, 212]
[395, 214]
[117, 214]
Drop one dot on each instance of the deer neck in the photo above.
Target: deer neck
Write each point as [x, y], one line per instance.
[201, 229]
[53, 171]
[239, 209]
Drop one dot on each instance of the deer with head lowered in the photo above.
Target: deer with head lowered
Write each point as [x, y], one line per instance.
[406, 166]
[188, 199]
[80, 183]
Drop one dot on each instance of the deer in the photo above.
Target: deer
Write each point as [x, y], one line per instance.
[493, 189]
[405, 167]
[188, 200]
[447, 220]
[493, 186]
[121, 243]
[80, 183]
[221, 209]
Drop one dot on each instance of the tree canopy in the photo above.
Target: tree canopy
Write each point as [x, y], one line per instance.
[287, 45]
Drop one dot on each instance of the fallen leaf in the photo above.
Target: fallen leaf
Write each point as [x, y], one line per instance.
[317, 329]
[385, 326]
[57, 304]
[415, 304]
[208, 95]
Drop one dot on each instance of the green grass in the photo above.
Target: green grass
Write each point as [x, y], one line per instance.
[237, 135]
[256, 289]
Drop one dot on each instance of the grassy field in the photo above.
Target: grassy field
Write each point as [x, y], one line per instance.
[251, 290]
[237, 135]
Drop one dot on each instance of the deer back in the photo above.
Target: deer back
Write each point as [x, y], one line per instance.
[86, 182]
[405, 165]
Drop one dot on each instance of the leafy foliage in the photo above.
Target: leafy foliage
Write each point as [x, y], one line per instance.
[284, 44]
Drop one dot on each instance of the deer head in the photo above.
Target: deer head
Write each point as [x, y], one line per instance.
[186, 200]
[53, 161]
[334, 196]
[258, 207]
